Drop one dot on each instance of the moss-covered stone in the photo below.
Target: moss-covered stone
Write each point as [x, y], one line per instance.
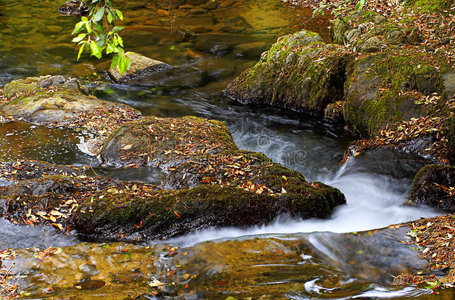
[299, 72]
[108, 209]
[52, 99]
[169, 213]
[430, 5]
[368, 31]
[165, 141]
[58, 101]
[240, 168]
[434, 185]
[388, 87]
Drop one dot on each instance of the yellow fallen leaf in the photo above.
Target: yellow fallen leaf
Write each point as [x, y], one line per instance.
[155, 283]
[56, 213]
[127, 147]
[57, 225]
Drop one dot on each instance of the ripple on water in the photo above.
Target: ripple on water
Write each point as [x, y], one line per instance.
[292, 267]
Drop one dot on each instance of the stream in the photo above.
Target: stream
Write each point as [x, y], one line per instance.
[288, 259]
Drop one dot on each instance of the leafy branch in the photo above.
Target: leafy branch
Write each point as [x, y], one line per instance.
[97, 33]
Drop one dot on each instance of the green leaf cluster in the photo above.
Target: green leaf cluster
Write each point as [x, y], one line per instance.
[97, 33]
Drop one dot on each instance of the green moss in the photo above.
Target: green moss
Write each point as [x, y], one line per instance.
[205, 205]
[299, 72]
[382, 89]
[430, 5]
[120, 210]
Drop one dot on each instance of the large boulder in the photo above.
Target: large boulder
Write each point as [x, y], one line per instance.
[391, 87]
[107, 209]
[434, 185]
[165, 142]
[141, 66]
[58, 101]
[52, 99]
[299, 72]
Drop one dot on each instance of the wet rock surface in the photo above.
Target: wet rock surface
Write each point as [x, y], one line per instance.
[163, 141]
[141, 67]
[74, 8]
[51, 100]
[434, 186]
[101, 208]
[57, 101]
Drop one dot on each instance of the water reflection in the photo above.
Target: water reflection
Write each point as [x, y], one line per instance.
[21, 140]
[280, 267]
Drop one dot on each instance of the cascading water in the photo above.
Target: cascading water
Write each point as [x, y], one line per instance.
[376, 184]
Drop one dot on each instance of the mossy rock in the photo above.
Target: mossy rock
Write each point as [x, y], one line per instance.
[237, 168]
[387, 87]
[368, 31]
[32, 201]
[299, 72]
[51, 100]
[434, 185]
[100, 208]
[165, 142]
[430, 5]
[169, 213]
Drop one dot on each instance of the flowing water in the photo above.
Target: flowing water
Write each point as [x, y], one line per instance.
[289, 259]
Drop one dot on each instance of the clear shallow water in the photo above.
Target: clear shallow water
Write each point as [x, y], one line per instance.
[209, 50]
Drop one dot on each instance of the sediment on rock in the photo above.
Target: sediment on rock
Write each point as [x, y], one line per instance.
[165, 142]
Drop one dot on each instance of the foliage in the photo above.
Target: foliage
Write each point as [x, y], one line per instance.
[97, 33]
